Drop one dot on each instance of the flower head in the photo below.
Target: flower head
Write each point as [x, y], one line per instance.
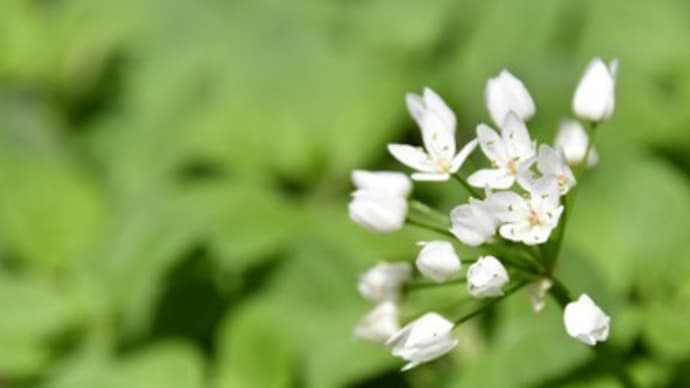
[486, 277]
[378, 324]
[595, 96]
[572, 139]
[505, 93]
[380, 201]
[507, 153]
[585, 321]
[473, 223]
[437, 122]
[423, 340]
[437, 260]
[383, 281]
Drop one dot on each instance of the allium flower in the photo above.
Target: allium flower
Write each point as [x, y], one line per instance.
[486, 277]
[595, 96]
[505, 93]
[507, 153]
[423, 340]
[379, 324]
[528, 220]
[537, 293]
[383, 281]
[585, 321]
[437, 260]
[552, 165]
[473, 223]
[437, 122]
[572, 139]
[379, 203]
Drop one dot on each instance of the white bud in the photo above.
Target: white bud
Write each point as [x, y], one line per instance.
[437, 260]
[505, 93]
[537, 293]
[473, 223]
[388, 182]
[380, 203]
[379, 324]
[585, 321]
[423, 340]
[572, 139]
[486, 277]
[383, 281]
[595, 96]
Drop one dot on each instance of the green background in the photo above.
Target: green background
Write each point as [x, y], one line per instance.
[174, 178]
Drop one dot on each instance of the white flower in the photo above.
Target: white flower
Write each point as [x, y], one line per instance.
[585, 321]
[423, 340]
[486, 277]
[472, 223]
[383, 281]
[437, 260]
[506, 93]
[437, 123]
[572, 139]
[595, 96]
[528, 220]
[552, 165]
[379, 324]
[380, 203]
[537, 293]
[507, 153]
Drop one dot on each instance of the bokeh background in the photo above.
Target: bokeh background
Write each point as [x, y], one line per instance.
[174, 178]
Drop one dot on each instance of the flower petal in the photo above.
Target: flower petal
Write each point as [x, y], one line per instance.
[462, 155]
[439, 139]
[516, 138]
[435, 103]
[493, 178]
[430, 176]
[412, 157]
[491, 144]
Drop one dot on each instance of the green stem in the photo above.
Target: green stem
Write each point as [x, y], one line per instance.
[427, 210]
[422, 225]
[471, 190]
[427, 284]
[490, 303]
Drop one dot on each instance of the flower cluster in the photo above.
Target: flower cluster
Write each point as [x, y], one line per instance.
[516, 202]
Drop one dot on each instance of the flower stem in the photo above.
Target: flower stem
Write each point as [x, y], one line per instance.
[427, 210]
[490, 303]
[427, 284]
[471, 190]
[432, 228]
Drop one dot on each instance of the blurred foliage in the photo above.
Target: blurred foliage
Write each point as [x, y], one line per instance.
[174, 179]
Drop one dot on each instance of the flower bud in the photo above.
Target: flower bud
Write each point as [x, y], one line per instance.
[585, 321]
[378, 213]
[572, 139]
[438, 261]
[388, 182]
[537, 293]
[383, 281]
[423, 340]
[505, 93]
[473, 223]
[379, 324]
[486, 277]
[595, 98]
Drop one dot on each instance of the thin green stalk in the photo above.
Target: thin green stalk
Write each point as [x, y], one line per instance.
[422, 225]
[471, 190]
[490, 303]
[427, 210]
[427, 284]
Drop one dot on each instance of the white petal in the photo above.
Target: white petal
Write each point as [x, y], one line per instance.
[412, 157]
[594, 98]
[493, 178]
[430, 176]
[462, 155]
[436, 104]
[390, 182]
[416, 107]
[438, 261]
[516, 138]
[486, 277]
[378, 213]
[517, 231]
[379, 324]
[491, 144]
[548, 161]
[508, 206]
[506, 93]
[439, 139]
[585, 321]
[472, 223]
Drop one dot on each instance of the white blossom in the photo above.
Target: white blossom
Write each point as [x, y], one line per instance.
[507, 153]
[505, 93]
[572, 139]
[437, 123]
[472, 223]
[595, 96]
[528, 220]
[486, 277]
[384, 281]
[437, 260]
[380, 201]
[537, 293]
[379, 324]
[585, 321]
[425, 339]
[552, 165]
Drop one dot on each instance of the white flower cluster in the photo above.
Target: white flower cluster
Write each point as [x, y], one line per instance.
[523, 186]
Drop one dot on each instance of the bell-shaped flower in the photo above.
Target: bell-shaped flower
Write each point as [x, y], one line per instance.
[384, 281]
[585, 321]
[438, 261]
[486, 277]
[380, 201]
[595, 96]
[507, 153]
[537, 293]
[473, 223]
[552, 165]
[379, 324]
[425, 339]
[505, 93]
[437, 122]
[528, 220]
[572, 139]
